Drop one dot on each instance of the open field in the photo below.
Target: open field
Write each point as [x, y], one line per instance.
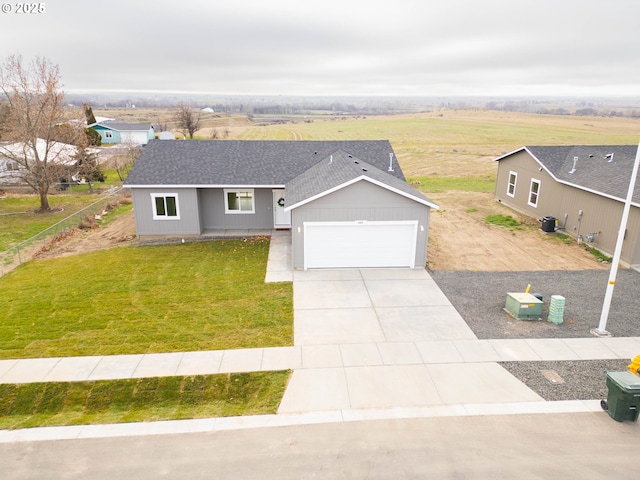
[167, 298]
[444, 143]
[457, 143]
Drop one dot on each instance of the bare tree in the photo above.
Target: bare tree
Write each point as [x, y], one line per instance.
[86, 165]
[124, 160]
[187, 119]
[4, 113]
[32, 124]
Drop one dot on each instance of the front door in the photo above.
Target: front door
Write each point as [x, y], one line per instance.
[281, 219]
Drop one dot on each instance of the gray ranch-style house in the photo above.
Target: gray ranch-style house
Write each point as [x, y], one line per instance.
[583, 187]
[346, 203]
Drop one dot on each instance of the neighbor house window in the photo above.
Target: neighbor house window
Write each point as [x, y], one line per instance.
[511, 188]
[534, 192]
[239, 201]
[165, 206]
[108, 134]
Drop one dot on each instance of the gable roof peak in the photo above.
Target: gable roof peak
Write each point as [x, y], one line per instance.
[603, 169]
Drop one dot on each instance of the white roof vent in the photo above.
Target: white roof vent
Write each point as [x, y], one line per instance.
[575, 162]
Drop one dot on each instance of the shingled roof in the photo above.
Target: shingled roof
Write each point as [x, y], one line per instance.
[601, 169]
[124, 127]
[246, 162]
[339, 170]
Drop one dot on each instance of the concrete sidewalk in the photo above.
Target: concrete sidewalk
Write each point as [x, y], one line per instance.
[368, 343]
[459, 355]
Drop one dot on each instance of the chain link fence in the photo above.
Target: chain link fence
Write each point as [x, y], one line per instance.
[24, 251]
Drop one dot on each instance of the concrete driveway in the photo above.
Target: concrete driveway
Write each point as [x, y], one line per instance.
[381, 338]
[372, 305]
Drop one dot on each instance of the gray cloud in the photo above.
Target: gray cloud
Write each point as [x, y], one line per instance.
[417, 47]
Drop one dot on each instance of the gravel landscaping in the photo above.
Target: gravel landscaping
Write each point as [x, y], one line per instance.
[480, 298]
[583, 380]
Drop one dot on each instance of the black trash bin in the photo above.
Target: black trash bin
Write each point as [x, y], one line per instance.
[548, 224]
[623, 400]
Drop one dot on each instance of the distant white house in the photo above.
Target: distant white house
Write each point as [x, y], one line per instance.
[166, 136]
[12, 171]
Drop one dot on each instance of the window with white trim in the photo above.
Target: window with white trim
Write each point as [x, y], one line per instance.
[534, 192]
[165, 206]
[511, 186]
[239, 201]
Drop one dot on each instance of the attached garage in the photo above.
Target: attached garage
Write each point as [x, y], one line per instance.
[360, 244]
[348, 214]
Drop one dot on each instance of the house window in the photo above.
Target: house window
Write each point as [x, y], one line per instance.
[511, 187]
[239, 201]
[108, 134]
[165, 206]
[534, 192]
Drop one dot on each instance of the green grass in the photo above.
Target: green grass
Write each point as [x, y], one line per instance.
[598, 254]
[471, 210]
[143, 399]
[18, 220]
[506, 221]
[166, 298]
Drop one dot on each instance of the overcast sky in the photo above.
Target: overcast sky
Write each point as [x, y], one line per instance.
[335, 47]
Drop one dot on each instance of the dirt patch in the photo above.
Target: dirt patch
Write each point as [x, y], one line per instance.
[119, 232]
[459, 239]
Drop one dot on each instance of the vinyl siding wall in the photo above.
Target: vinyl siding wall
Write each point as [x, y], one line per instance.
[115, 135]
[360, 201]
[212, 205]
[146, 226]
[600, 215]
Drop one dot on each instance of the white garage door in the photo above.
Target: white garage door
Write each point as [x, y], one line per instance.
[359, 244]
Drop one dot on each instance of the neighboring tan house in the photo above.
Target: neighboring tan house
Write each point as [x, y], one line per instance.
[583, 187]
[346, 203]
[120, 132]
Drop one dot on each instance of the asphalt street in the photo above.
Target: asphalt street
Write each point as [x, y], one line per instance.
[585, 446]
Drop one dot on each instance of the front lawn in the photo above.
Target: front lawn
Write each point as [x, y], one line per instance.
[142, 399]
[144, 299]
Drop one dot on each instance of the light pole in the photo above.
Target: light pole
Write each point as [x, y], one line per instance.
[601, 331]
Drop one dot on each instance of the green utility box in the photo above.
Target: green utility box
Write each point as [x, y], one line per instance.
[523, 306]
[623, 400]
